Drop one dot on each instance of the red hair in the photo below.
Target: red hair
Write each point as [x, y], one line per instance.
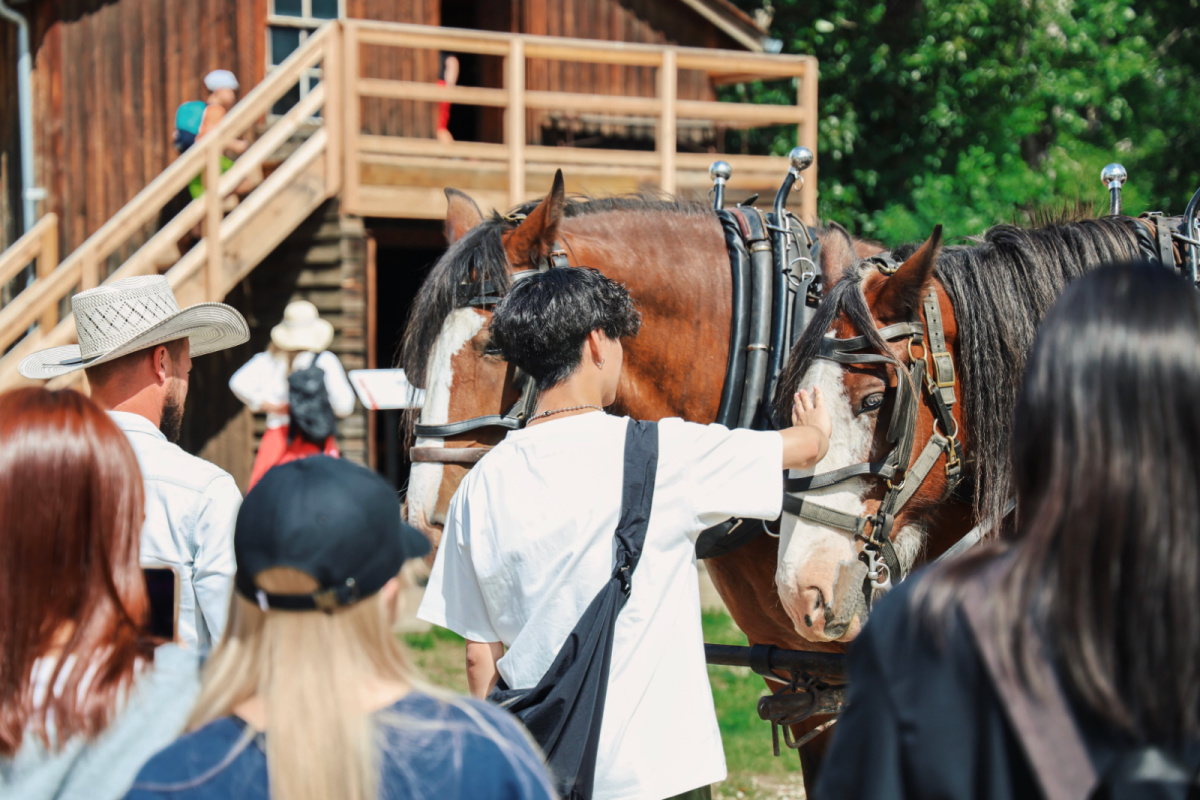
[71, 511]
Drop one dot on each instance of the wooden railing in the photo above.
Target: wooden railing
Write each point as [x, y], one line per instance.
[39, 244]
[337, 153]
[205, 263]
[515, 156]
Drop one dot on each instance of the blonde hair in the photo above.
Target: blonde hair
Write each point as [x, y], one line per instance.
[322, 742]
[309, 668]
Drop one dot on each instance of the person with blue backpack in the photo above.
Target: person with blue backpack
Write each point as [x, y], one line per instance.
[195, 118]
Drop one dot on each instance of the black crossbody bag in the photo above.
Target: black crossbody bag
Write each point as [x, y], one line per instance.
[564, 711]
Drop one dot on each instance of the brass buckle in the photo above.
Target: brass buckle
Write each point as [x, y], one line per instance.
[326, 600]
[943, 364]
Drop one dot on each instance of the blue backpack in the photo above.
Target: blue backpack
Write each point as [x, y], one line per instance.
[187, 123]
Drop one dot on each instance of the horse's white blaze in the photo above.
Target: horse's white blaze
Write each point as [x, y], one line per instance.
[809, 553]
[425, 479]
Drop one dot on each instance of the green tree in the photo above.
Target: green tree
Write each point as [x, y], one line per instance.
[971, 113]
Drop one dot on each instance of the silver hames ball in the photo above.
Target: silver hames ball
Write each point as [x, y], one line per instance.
[801, 158]
[720, 169]
[1113, 173]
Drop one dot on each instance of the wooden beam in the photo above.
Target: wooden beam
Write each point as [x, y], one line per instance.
[807, 136]
[577, 101]
[429, 92]
[333, 86]
[514, 119]
[740, 112]
[351, 113]
[214, 213]
[668, 86]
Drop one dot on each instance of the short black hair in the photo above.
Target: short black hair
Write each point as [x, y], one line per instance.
[541, 324]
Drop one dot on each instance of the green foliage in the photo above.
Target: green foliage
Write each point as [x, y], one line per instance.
[972, 112]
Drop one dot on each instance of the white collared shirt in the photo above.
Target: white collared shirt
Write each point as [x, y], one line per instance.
[191, 508]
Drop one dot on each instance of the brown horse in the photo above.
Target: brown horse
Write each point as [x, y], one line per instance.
[672, 256]
[990, 297]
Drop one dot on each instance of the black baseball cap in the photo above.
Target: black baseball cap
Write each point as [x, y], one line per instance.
[335, 521]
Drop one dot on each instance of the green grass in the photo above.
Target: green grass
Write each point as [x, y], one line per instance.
[753, 769]
[754, 773]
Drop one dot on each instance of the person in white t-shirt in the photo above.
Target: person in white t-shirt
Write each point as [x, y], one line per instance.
[300, 341]
[528, 538]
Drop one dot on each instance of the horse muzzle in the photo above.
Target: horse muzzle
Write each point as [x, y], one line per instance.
[841, 616]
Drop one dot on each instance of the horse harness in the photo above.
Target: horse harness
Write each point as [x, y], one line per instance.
[933, 370]
[487, 297]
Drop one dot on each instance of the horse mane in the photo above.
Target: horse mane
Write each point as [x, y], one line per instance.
[478, 258]
[1000, 288]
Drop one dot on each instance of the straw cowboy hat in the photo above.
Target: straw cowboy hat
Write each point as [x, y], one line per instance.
[125, 316]
[302, 329]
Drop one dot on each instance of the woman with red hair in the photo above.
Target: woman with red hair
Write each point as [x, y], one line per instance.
[86, 696]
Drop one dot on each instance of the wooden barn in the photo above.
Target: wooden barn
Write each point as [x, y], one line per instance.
[341, 100]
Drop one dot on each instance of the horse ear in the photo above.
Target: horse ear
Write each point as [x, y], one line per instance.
[837, 254]
[461, 215]
[901, 293]
[535, 236]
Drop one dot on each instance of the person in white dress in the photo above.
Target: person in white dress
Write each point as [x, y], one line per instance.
[300, 341]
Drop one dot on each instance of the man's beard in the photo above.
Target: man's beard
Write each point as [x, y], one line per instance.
[171, 424]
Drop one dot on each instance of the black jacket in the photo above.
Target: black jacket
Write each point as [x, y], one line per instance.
[922, 719]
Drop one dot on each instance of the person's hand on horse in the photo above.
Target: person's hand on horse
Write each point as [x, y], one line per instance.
[807, 441]
[809, 409]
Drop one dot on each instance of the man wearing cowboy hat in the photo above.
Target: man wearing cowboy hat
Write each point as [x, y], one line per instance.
[136, 347]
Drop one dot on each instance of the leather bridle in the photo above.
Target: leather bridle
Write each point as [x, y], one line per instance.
[487, 296]
[933, 370]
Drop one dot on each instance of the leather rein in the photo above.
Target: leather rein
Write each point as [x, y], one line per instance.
[517, 416]
[933, 370]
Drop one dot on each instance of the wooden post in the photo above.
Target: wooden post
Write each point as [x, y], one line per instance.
[331, 77]
[48, 262]
[372, 301]
[89, 269]
[213, 289]
[806, 98]
[351, 107]
[514, 119]
[668, 83]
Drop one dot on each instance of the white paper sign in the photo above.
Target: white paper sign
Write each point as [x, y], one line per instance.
[380, 389]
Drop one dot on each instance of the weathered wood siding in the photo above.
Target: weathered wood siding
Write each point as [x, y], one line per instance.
[394, 117]
[642, 21]
[108, 76]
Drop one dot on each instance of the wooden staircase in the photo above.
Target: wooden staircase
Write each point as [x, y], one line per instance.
[234, 242]
[376, 175]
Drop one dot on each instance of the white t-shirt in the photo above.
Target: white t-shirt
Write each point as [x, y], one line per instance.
[529, 541]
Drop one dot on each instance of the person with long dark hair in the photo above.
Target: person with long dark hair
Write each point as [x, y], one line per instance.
[86, 696]
[1090, 609]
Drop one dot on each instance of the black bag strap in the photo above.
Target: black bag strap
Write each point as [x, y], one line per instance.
[637, 496]
[1044, 724]
[565, 710]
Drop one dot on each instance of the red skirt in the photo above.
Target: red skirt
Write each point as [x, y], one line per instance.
[275, 450]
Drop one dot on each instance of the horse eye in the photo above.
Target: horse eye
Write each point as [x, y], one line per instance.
[490, 349]
[871, 402]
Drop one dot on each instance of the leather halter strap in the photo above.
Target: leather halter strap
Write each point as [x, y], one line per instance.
[446, 455]
[903, 478]
[522, 410]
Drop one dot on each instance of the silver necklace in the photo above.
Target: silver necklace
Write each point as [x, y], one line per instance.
[563, 411]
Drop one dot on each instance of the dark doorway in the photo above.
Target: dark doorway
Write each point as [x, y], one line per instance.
[404, 252]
